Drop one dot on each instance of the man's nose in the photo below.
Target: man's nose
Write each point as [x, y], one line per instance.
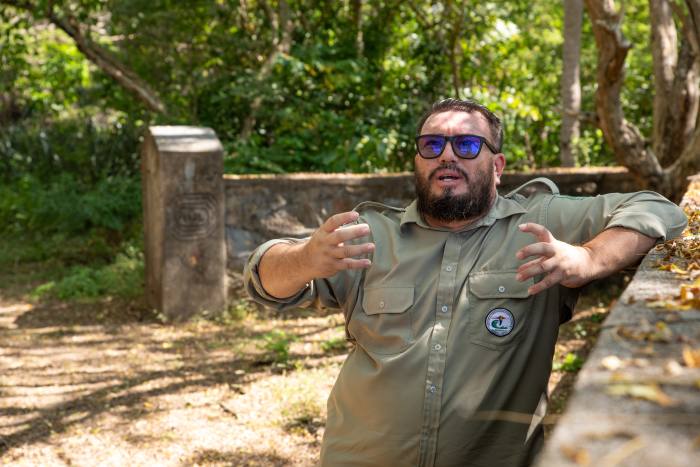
[448, 154]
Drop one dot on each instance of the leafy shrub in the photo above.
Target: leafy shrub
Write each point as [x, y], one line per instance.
[66, 205]
[44, 148]
[121, 278]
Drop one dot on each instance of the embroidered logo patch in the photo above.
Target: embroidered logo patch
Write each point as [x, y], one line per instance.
[500, 322]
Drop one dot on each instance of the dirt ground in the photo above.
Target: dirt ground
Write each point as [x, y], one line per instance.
[104, 383]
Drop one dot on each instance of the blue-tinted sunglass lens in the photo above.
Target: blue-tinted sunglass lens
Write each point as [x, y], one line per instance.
[431, 146]
[467, 146]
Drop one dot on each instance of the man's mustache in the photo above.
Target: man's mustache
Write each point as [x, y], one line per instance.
[449, 166]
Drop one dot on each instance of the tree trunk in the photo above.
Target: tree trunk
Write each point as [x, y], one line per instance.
[629, 146]
[357, 20]
[664, 51]
[455, 19]
[282, 45]
[570, 82]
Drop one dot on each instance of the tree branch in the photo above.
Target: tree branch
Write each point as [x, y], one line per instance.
[624, 138]
[97, 54]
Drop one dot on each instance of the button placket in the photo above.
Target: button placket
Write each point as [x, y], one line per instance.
[438, 343]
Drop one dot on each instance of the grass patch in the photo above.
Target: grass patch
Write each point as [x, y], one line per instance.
[277, 344]
[302, 401]
[334, 344]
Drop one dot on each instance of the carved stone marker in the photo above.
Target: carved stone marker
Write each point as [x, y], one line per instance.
[183, 206]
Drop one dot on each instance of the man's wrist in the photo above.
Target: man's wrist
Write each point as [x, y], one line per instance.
[301, 259]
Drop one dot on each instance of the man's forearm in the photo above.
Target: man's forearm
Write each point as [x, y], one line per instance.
[283, 271]
[615, 248]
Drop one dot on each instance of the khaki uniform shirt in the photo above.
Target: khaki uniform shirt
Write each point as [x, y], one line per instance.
[452, 355]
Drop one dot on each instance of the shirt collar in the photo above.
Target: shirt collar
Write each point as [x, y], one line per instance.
[502, 208]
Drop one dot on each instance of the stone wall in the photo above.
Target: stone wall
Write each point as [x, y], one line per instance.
[260, 207]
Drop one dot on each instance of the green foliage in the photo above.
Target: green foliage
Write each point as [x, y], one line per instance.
[277, 343]
[68, 206]
[121, 278]
[318, 103]
[571, 363]
[76, 146]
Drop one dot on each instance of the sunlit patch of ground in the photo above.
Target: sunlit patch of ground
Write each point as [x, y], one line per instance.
[105, 384]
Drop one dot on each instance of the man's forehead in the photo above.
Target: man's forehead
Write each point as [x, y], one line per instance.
[455, 122]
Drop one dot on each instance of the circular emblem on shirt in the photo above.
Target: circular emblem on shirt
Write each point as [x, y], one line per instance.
[500, 322]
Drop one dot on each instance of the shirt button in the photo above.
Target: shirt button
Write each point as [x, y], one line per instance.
[444, 308]
[448, 268]
[381, 304]
[501, 289]
[438, 346]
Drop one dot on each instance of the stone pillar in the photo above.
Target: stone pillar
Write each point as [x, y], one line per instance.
[183, 206]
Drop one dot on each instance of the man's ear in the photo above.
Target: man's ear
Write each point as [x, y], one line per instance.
[499, 163]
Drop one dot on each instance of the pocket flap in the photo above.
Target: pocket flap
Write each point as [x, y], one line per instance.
[496, 284]
[378, 300]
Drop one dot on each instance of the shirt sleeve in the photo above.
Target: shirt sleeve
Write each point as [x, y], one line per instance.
[329, 292]
[577, 220]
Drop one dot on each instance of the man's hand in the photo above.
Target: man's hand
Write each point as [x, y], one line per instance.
[575, 266]
[565, 264]
[285, 269]
[326, 253]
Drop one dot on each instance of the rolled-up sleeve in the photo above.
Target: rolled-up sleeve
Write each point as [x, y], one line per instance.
[577, 220]
[253, 284]
[329, 292]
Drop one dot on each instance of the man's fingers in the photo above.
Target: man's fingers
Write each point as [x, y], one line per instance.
[538, 249]
[348, 233]
[338, 220]
[349, 251]
[529, 269]
[548, 281]
[350, 263]
[535, 268]
[539, 231]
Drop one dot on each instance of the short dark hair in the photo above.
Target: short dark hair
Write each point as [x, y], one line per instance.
[467, 106]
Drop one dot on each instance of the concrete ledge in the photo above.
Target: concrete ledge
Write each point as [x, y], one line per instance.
[635, 401]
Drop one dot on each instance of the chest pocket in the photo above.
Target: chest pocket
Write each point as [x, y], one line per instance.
[499, 307]
[383, 326]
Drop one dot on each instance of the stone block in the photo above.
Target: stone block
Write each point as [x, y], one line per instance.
[183, 202]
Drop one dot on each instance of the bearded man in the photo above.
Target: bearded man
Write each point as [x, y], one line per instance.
[454, 302]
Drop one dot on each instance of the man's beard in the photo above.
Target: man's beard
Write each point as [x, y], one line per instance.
[447, 207]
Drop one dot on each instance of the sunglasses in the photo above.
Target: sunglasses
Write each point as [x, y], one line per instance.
[464, 146]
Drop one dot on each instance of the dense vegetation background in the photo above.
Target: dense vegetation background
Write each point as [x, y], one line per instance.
[302, 85]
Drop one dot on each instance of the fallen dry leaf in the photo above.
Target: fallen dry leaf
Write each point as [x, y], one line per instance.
[691, 357]
[576, 454]
[617, 456]
[660, 332]
[649, 392]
